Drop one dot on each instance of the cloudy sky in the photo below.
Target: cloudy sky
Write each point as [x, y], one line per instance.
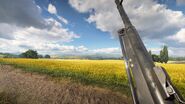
[89, 26]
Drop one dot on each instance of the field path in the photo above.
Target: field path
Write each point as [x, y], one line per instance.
[29, 88]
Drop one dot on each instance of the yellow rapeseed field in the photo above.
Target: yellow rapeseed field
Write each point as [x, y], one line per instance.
[104, 73]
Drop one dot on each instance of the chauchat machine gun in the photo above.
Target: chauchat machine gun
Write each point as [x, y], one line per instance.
[149, 84]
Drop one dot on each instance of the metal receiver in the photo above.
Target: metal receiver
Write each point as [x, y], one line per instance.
[149, 84]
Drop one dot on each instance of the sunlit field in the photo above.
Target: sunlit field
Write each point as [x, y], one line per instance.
[104, 73]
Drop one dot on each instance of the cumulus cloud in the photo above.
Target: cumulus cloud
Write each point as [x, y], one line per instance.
[21, 30]
[179, 36]
[172, 51]
[35, 38]
[62, 19]
[16, 46]
[6, 31]
[52, 9]
[107, 50]
[176, 51]
[19, 12]
[151, 19]
[154, 50]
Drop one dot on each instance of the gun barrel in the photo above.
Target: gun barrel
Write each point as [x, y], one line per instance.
[147, 85]
[123, 14]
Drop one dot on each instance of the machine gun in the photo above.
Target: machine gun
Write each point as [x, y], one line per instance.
[149, 84]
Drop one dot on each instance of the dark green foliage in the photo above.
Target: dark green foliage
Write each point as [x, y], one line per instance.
[47, 56]
[161, 56]
[40, 56]
[155, 58]
[164, 55]
[29, 54]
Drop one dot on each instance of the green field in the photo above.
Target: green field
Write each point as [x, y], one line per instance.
[1, 55]
[103, 73]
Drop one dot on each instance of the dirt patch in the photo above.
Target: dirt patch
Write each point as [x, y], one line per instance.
[29, 88]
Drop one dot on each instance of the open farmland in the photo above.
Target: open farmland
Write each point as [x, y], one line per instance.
[102, 73]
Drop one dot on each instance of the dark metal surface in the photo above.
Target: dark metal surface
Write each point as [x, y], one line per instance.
[129, 74]
[149, 84]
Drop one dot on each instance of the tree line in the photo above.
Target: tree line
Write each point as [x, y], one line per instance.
[32, 54]
[163, 57]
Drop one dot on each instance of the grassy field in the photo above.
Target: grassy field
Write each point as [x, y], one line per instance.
[104, 73]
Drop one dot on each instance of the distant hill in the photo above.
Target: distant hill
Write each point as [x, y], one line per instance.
[8, 55]
[1, 55]
[89, 56]
[71, 56]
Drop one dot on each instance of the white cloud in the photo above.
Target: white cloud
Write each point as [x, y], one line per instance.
[176, 51]
[52, 9]
[62, 19]
[179, 36]
[172, 51]
[107, 50]
[17, 38]
[155, 50]
[23, 13]
[81, 49]
[54, 32]
[20, 31]
[43, 48]
[62, 49]
[151, 19]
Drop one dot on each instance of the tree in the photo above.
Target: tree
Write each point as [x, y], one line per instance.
[161, 56]
[40, 56]
[165, 52]
[29, 54]
[47, 56]
[164, 55]
[155, 58]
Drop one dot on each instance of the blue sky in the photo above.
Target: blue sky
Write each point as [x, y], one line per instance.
[90, 36]
[87, 26]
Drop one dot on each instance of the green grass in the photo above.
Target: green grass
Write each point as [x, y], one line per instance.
[1, 55]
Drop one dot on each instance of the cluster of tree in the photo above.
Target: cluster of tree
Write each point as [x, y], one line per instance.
[32, 54]
[162, 57]
[46, 56]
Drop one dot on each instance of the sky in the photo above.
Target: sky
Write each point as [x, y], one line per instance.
[59, 27]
